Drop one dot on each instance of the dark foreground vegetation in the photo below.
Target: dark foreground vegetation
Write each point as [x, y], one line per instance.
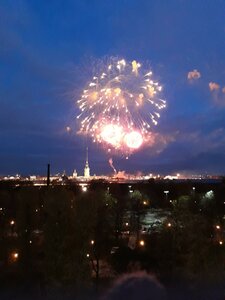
[60, 242]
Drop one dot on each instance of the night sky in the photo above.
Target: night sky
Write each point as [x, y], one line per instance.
[46, 51]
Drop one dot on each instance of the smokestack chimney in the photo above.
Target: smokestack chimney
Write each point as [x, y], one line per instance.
[48, 175]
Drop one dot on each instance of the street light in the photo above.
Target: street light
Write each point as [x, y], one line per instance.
[166, 193]
[142, 243]
[84, 188]
[14, 256]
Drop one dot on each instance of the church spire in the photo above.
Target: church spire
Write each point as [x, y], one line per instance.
[87, 156]
[86, 168]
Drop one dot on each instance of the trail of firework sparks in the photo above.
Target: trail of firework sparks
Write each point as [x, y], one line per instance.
[119, 107]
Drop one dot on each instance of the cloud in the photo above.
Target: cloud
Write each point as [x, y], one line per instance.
[218, 94]
[213, 86]
[193, 75]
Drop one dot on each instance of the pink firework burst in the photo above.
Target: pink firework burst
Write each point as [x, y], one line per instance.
[119, 107]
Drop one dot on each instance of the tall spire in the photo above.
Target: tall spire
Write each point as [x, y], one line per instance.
[87, 156]
[86, 168]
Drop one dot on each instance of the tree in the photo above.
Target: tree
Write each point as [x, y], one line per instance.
[65, 260]
[188, 244]
[137, 208]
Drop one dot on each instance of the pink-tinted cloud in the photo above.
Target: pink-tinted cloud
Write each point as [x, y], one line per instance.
[193, 75]
[213, 86]
[218, 94]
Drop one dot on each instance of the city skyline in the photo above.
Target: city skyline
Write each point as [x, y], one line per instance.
[46, 58]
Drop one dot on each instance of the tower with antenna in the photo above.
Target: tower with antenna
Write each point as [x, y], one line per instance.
[86, 168]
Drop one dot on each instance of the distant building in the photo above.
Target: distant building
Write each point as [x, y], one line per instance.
[86, 168]
[74, 174]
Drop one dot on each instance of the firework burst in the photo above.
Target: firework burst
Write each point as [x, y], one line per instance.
[119, 107]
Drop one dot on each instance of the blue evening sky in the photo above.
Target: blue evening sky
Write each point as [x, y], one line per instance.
[46, 48]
